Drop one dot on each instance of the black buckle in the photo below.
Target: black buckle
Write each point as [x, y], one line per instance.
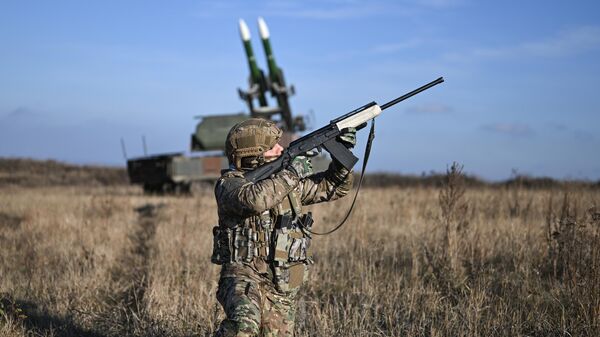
[284, 221]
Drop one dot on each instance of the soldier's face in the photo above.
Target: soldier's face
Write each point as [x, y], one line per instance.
[273, 153]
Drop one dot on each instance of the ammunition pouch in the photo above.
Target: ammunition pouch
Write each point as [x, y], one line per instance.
[243, 242]
[291, 252]
[291, 240]
[238, 244]
[286, 248]
[221, 245]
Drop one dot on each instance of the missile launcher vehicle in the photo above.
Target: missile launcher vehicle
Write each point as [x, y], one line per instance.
[176, 172]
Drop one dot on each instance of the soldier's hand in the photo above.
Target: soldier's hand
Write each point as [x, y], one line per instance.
[301, 166]
[348, 137]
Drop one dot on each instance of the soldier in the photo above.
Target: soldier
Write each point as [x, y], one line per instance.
[263, 237]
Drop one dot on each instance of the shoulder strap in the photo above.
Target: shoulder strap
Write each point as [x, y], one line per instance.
[362, 175]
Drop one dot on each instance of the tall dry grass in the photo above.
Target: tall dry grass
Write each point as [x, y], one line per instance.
[451, 261]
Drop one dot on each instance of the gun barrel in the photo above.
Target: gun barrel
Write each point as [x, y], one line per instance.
[412, 93]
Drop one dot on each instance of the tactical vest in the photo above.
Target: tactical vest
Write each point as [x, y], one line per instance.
[276, 241]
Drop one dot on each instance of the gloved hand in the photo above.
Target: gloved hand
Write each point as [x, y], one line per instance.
[348, 137]
[301, 166]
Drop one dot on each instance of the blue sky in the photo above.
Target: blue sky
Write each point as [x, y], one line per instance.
[520, 92]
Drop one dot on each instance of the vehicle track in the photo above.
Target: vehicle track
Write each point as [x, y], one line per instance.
[127, 314]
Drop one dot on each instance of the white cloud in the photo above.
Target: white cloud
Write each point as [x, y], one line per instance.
[440, 4]
[582, 135]
[513, 129]
[21, 115]
[18, 112]
[568, 42]
[430, 108]
[328, 13]
[559, 127]
[332, 9]
[565, 43]
[347, 9]
[323, 9]
[578, 134]
[395, 47]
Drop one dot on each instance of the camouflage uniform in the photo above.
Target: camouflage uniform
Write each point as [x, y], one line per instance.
[263, 246]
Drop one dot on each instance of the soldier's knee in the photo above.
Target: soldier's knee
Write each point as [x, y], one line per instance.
[230, 328]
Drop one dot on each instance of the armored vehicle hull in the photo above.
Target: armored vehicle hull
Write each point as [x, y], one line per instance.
[174, 172]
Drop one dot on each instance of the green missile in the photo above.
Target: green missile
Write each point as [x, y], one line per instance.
[276, 80]
[274, 71]
[256, 75]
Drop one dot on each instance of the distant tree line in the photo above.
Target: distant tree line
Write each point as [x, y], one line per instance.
[32, 172]
[434, 179]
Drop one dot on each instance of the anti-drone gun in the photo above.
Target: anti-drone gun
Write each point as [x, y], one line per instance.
[326, 137]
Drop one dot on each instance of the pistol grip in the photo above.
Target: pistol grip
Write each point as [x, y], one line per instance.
[340, 153]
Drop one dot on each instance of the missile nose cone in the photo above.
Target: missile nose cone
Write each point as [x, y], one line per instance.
[244, 31]
[263, 29]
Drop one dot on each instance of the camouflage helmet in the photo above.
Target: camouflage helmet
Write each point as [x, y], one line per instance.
[248, 140]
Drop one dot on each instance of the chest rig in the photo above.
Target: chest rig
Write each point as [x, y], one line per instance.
[275, 243]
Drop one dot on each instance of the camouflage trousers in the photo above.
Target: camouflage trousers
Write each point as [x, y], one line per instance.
[255, 309]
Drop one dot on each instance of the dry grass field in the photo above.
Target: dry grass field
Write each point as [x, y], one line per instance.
[417, 261]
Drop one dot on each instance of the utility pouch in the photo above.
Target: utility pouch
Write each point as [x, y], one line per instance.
[221, 245]
[291, 241]
[280, 245]
[290, 254]
[297, 248]
[281, 240]
[290, 277]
